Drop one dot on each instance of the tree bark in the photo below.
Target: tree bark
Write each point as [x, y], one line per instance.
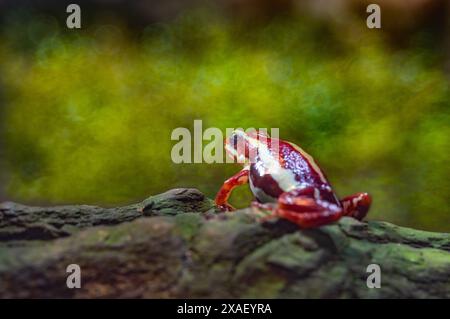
[176, 245]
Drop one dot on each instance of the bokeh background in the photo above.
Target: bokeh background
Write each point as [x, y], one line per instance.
[86, 115]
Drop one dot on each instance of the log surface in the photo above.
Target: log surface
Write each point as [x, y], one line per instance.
[176, 245]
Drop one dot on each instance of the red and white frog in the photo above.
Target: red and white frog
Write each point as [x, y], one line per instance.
[288, 183]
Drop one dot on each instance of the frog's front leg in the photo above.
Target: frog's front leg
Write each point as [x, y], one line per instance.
[356, 205]
[224, 193]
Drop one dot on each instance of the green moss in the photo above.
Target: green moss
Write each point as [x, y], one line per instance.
[188, 224]
[268, 286]
[424, 263]
[117, 237]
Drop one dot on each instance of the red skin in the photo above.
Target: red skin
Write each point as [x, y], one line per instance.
[241, 178]
[311, 202]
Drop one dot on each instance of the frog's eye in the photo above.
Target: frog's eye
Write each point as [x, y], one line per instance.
[234, 140]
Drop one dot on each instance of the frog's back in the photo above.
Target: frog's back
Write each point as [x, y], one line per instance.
[291, 168]
[302, 165]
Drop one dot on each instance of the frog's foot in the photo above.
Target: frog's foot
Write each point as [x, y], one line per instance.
[264, 211]
[356, 205]
[225, 207]
[307, 210]
[263, 206]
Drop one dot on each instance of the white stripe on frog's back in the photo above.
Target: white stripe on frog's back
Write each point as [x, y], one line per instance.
[285, 178]
[311, 160]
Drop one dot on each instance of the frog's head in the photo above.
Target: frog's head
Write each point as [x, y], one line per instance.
[243, 145]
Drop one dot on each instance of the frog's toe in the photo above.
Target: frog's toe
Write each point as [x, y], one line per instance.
[226, 207]
[356, 205]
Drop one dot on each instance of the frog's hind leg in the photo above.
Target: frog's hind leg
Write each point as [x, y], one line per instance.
[356, 205]
[305, 208]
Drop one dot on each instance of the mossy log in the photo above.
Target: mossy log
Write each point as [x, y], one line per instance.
[176, 245]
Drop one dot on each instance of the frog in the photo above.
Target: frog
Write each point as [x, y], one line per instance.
[286, 182]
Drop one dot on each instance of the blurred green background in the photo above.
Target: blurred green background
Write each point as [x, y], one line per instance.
[87, 115]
